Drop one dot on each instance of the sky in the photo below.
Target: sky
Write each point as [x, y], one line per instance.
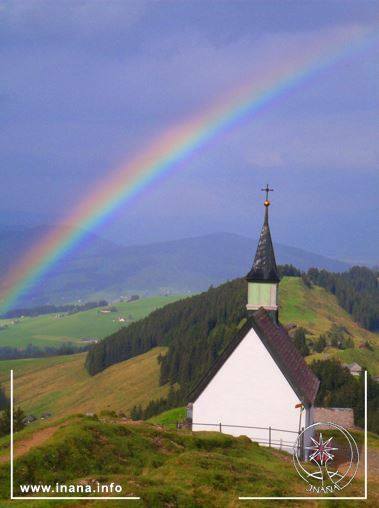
[86, 85]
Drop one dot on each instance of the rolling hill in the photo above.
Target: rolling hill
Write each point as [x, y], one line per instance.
[197, 329]
[317, 310]
[98, 268]
[56, 329]
[61, 385]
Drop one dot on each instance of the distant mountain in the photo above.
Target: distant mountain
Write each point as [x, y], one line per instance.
[100, 268]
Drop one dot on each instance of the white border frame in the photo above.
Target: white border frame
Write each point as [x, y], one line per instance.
[132, 498]
[326, 498]
[20, 498]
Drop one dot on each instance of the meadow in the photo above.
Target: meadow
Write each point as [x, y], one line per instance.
[60, 385]
[56, 329]
[165, 467]
[317, 310]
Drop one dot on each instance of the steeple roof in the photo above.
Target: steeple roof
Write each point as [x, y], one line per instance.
[264, 268]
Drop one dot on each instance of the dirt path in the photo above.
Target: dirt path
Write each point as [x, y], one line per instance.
[23, 446]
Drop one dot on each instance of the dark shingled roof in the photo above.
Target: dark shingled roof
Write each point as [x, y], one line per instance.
[282, 349]
[264, 268]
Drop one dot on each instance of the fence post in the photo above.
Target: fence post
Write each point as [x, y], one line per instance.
[302, 450]
[269, 437]
[220, 427]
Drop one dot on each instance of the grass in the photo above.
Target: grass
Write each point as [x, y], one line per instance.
[164, 467]
[49, 330]
[169, 418]
[317, 310]
[62, 386]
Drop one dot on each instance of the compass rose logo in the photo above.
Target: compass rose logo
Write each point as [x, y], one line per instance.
[332, 460]
[322, 450]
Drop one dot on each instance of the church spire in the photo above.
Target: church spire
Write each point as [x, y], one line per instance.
[263, 278]
[264, 268]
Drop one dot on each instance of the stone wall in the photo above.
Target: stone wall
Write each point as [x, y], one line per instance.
[343, 416]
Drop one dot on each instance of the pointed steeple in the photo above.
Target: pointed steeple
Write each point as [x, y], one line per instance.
[263, 278]
[264, 268]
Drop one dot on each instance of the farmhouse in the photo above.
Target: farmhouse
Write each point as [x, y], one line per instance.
[260, 386]
[354, 368]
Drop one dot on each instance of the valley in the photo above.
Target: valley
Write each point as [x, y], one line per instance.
[57, 329]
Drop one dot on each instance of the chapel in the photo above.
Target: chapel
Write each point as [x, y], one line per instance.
[260, 386]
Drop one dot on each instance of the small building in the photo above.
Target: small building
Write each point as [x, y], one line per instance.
[340, 415]
[260, 386]
[354, 368]
[89, 340]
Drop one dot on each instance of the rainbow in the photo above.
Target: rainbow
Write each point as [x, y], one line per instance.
[171, 148]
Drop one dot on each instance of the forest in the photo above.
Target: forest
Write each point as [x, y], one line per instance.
[197, 329]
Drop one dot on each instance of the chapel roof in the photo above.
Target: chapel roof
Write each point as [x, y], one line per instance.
[281, 348]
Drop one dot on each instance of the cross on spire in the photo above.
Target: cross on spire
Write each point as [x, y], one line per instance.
[267, 190]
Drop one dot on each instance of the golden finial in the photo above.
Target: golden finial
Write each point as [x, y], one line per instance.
[267, 190]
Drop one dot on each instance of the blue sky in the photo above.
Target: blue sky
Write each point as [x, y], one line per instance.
[86, 84]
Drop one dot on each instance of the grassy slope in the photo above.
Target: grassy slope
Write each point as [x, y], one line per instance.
[317, 310]
[61, 385]
[48, 330]
[164, 467]
[169, 418]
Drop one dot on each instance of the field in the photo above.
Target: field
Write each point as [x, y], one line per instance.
[50, 330]
[317, 310]
[60, 385]
[164, 467]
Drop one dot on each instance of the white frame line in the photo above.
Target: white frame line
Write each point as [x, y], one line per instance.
[21, 498]
[326, 498]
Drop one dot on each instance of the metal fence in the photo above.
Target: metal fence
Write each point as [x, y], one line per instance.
[270, 441]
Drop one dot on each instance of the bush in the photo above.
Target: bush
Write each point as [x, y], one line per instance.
[300, 341]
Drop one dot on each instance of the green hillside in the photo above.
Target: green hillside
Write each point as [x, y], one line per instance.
[317, 310]
[55, 329]
[197, 329]
[166, 468]
[61, 385]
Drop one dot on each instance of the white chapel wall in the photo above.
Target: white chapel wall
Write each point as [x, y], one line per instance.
[249, 390]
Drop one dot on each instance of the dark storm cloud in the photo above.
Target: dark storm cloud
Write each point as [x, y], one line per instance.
[85, 84]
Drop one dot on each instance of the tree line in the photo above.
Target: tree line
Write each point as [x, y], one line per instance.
[52, 309]
[356, 290]
[31, 351]
[191, 327]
